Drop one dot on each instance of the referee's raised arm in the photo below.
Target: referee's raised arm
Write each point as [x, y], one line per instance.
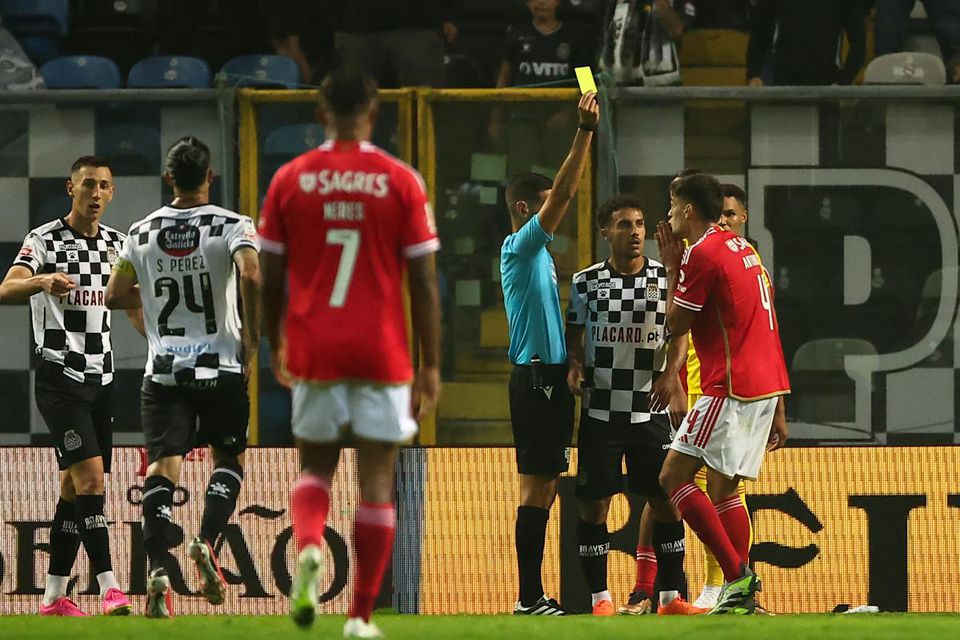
[541, 403]
[568, 177]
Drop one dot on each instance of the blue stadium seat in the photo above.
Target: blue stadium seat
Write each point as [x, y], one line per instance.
[168, 72]
[265, 71]
[32, 17]
[40, 48]
[293, 139]
[81, 72]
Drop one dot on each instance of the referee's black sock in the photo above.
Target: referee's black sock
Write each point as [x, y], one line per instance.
[669, 546]
[64, 539]
[157, 518]
[594, 541]
[221, 499]
[531, 534]
[92, 526]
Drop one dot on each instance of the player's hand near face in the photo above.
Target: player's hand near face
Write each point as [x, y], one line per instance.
[426, 391]
[57, 284]
[671, 248]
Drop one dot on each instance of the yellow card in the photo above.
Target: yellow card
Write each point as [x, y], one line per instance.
[585, 80]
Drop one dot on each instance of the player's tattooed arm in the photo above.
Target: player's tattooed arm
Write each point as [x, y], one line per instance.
[425, 314]
[575, 357]
[122, 289]
[273, 267]
[20, 284]
[248, 264]
[667, 392]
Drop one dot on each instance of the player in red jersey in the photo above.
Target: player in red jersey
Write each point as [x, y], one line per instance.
[717, 290]
[340, 225]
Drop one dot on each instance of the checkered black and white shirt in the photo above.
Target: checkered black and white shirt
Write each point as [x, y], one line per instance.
[183, 259]
[75, 331]
[625, 318]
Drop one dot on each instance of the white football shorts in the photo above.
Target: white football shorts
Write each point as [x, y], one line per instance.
[323, 413]
[729, 435]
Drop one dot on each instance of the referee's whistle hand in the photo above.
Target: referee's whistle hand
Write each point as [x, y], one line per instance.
[57, 284]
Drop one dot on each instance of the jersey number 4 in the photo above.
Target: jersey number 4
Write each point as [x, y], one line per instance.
[170, 288]
[349, 239]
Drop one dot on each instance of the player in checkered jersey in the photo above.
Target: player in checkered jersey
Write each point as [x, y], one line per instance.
[619, 356]
[62, 269]
[191, 255]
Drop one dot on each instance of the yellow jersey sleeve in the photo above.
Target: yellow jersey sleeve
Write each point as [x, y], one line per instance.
[693, 369]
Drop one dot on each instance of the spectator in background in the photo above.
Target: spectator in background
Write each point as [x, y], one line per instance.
[721, 14]
[641, 40]
[303, 31]
[399, 42]
[17, 73]
[944, 17]
[805, 36]
[544, 50]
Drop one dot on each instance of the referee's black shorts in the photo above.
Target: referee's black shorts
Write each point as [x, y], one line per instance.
[177, 419]
[542, 420]
[602, 446]
[79, 416]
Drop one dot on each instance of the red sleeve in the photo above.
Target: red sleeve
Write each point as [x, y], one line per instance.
[271, 229]
[419, 235]
[697, 276]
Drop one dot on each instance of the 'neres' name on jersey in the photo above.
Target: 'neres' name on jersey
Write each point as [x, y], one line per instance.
[327, 181]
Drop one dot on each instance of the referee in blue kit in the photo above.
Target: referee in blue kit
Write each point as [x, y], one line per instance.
[541, 405]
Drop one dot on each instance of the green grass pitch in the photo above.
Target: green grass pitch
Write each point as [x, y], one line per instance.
[396, 627]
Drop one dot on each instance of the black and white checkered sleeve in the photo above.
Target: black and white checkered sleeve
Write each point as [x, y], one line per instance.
[242, 234]
[577, 309]
[33, 253]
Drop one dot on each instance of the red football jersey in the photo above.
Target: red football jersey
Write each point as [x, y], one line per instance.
[347, 215]
[735, 329]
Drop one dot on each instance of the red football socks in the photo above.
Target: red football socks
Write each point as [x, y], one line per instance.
[373, 539]
[700, 514]
[646, 570]
[309, 505]
[736, 522]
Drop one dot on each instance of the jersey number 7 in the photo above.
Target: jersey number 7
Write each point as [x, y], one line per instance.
[349, 239]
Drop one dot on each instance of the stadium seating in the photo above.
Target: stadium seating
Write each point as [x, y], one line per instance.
[713, 57]
[121, 31]
[908, 67]
[81, 72]
[38, 25]
[35, 17]
[264, 71]
[169, 72]
[284, 143]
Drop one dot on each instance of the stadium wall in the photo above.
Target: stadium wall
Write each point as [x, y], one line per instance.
[833, 525]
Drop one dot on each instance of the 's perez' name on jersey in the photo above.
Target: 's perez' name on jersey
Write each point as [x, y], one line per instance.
[181, 264]
[327, 181]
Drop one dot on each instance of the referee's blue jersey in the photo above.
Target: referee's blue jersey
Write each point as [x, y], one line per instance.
[529, 280]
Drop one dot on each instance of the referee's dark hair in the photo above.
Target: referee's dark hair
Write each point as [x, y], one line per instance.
[187, 162]
[731, 190]
[526, 186]
[88, 161]
[702, 191]
[689, 171]
[347, 92]
[614, 204]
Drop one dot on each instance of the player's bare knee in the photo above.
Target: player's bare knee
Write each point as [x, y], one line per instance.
[88, 483]
[67, 490]
[663, 510]
[221, 458]
[538, 491]
[594, 511]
